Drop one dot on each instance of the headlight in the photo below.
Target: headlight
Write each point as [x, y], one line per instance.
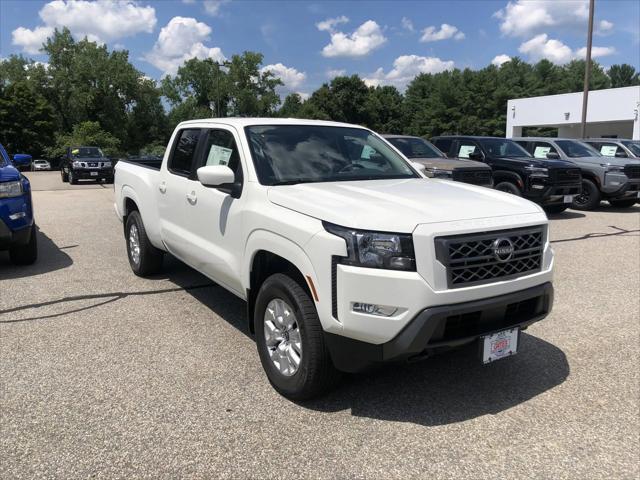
[76, 164]
[537, 171]
[437, 173]
[106, 164]
[612, 168]
[393, 251]
[10, 189]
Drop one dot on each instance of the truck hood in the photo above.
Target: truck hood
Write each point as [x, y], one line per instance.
[449, 163]
[397, 205]
[618, 162]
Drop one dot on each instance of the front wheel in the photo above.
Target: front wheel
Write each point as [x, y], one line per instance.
[72, 178]
[626, 203]
[64, 176]
[144, 258]
[508, 187]
[589, 198]
[290, 340]
[25, 254]
[555, 209]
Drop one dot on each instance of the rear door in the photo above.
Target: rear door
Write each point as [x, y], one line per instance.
[174, 192]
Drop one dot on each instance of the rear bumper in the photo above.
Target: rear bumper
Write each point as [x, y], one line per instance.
[443, 327]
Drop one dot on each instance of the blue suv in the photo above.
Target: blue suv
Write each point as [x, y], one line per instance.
[17, 227]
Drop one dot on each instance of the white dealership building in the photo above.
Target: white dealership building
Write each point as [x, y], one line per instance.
[611, 113]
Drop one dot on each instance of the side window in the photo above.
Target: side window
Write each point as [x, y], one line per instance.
[609, 149]
[465, 148]
[221, 149]
[540, 149]
[184, 149]
[444, 144]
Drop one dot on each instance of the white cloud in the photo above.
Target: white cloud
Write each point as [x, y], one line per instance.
[521, 18]
[604, 27]
[541, 46]
[291, 77]
[100, 21]
[365, 39]
[432, 34]
[595, 52]
[329, 24]
[405, 68]
[500, 59]
[338, 72]
[31, 40]
[407, 24]
[212, 7]
[181, 40]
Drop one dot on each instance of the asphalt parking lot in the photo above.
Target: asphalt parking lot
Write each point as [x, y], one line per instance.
[106, 375]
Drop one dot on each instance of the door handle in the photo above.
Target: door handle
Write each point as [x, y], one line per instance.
[192, 198]
[162, 187]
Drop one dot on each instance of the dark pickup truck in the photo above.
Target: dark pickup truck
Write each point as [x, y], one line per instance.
[436, 163]
[85, 163]
[552, 184]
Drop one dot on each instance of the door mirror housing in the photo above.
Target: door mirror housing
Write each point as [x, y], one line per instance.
[215, 175]
[553, 156]
[621, 155]
[476, 155]
[22, 160]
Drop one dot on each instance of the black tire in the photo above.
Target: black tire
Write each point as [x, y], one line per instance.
[508, 187]
[64, 176]
[149, 259]
[589, 198]
[555, 209]
[315, 374]
[72, 178]
[25, 254]
[626, 203]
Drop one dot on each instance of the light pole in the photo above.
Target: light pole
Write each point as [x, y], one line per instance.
[224, 63]
[587, 73]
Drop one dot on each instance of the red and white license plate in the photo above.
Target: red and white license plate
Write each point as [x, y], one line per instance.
[499, 345]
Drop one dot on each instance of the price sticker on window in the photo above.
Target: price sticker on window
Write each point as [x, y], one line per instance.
[219, 155]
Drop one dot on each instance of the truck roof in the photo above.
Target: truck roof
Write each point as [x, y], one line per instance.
[241, 122]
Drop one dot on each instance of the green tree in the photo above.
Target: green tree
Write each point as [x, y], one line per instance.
[292, 106]
[385, 110]
[252, 92]
[623, 76]
[86, 134]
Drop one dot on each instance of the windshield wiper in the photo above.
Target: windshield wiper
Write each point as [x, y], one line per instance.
[294, 182]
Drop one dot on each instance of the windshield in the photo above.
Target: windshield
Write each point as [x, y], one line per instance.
[415, 147]
[502, 147]
[633, 146]
[288, 154]
[86, 152]
[574, 149]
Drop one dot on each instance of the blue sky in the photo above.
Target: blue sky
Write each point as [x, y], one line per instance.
[306, 43]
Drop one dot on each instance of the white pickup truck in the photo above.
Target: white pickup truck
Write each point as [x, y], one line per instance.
[346, 255]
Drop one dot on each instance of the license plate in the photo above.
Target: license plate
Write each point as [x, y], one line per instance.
[93, 174]
[568, 198]
[499, 345]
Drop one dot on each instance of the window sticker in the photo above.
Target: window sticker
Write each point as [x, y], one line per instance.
[367, 151]
[219, 155]
[465, 150]
[541, 152]
[608, 150]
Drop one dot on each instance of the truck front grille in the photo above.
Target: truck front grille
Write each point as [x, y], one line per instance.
[632, 171]
[487, 257]
[472, 176]
[566, 176]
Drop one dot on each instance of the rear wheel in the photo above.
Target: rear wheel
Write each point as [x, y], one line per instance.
[25, 254]
[290, 340]
[508, 187]
[555, 209]
[626, 203]
[589, 198]
[144, 258]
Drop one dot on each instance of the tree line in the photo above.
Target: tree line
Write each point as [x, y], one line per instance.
[88, 94]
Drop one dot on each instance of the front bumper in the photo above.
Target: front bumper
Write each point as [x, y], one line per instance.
[445, 326]
[92, 173]
[629, 189]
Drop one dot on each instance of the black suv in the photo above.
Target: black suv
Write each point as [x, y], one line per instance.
[550, 183]
[85, 163]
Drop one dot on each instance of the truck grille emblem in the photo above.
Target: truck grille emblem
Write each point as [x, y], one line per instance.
[502, 249]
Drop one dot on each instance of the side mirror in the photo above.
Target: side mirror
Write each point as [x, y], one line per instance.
[620, 154]
[215, 175]
[553, 156]
[477, 156]
[22, 160]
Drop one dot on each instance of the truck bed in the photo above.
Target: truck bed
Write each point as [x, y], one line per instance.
[153, 163]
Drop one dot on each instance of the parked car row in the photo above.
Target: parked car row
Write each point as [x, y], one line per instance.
[85, 163]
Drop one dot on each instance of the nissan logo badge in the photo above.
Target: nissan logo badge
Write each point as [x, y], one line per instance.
[502, 249]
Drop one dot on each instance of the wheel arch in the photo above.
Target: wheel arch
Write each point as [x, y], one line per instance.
[506, 175]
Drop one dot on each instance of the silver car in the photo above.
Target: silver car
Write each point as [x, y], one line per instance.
[40, 165]
[616, 147]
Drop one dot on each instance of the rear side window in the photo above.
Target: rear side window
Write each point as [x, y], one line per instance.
[181, 161]
[444, 144]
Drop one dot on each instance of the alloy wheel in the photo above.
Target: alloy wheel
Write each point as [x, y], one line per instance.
[282, 335]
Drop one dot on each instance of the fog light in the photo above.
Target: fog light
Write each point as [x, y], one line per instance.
[18, 215]
[372, 309]
[538, 187]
